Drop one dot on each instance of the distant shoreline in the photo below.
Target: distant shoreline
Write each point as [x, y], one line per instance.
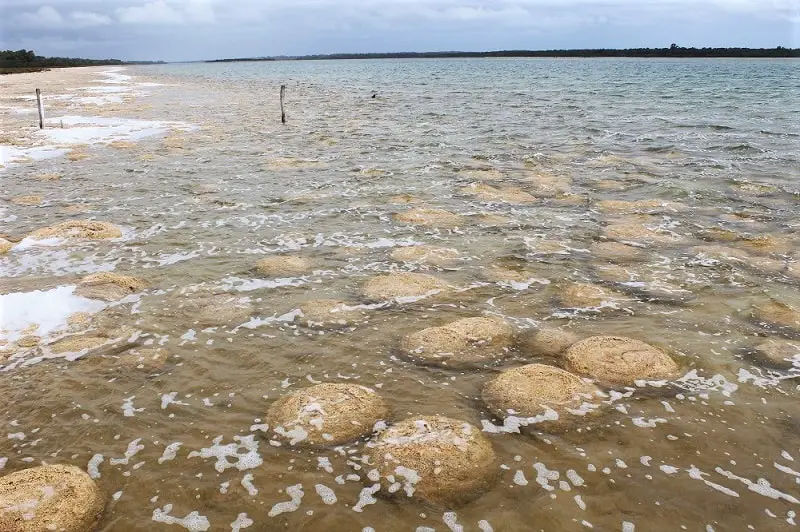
[671, 52]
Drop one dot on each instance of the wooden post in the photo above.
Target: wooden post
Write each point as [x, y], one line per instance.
[40, 107]
[283, 114]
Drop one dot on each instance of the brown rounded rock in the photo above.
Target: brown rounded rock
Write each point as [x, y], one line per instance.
[434, 459]
[778, 313]
[778, 352]
[539, 390]
[283, 265]
[429, 217]
[27, 200]
[109, 286]
[641, 233]
[218, 309]
[50, 497]
[721, 253]
[399, 286]
[77, 343]
[329, 313]
[511, 195]
[650, 205]
[145, 358]
[581, 295]
[548, 186]
[616, 252]
[771, 243]
[5, 246]
[79, 229]
[464, 342]
[327, 414]
[546, 342]
[432, 255]
[618, 360]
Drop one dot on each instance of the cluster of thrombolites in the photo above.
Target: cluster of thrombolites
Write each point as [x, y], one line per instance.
[436, 459]
[448, 461]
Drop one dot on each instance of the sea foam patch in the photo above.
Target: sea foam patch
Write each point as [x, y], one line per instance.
[41, 312]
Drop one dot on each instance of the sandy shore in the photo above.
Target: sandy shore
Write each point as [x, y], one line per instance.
[82, 107]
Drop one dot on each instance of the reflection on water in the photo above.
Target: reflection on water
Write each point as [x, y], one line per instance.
[656, 200]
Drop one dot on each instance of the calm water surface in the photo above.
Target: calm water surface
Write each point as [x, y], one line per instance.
[715, 142]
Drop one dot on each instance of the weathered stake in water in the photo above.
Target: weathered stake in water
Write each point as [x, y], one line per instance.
[40, 107]
[283, 114]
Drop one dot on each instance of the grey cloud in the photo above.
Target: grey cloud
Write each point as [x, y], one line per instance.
[198, 29]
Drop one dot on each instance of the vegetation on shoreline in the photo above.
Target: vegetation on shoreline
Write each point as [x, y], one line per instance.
[16, 61]
[672, 51]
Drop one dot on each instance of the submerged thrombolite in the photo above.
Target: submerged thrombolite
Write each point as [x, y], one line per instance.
[108, 286]
[617, 360]
[464, 342]
[89, 229]
[402, 285]
[50, 497]
[559, 398]
[436, 459]
[326, 414]
[283, 265]
[329, 313]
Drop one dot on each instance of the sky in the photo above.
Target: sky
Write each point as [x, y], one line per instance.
[186, 30]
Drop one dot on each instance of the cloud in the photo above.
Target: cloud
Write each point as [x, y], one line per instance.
[86, 19]
[162, 12]
[48, 17]
[204, 29]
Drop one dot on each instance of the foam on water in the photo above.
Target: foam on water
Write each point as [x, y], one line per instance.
[41, 312]
[193, 522]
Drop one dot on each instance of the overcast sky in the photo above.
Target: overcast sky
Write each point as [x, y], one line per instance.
[175, 30]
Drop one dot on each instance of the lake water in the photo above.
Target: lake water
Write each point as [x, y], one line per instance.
[695, 164]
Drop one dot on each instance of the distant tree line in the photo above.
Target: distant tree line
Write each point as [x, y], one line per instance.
[27, 61]
[673, 51]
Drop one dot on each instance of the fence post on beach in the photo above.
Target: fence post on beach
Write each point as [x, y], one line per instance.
[283, 114]
[40, 107]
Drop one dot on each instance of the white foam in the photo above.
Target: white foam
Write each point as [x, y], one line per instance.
[10, 155]
[43, 311]
[325, 493]
[93, 467]
[296, 494]
[133, 448]
[647, 423]
[245, 453]
[29, 242]
[247, 483]
[485, 526]
[365, 498]
[696, 474]
[242, 521]
[519, 478]
[451, 520]
[103, 130]
[170, 452]
[761, 486]
[246, 285]
[194, 522]
[544, 476]
[128, 409]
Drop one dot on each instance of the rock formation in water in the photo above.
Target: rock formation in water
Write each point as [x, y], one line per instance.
[50, 497]
[462, 343]
[434, 459]
[326, 414]
[619, 361]
[532, 390]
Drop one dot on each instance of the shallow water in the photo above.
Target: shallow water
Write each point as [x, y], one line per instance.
[716, 142]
